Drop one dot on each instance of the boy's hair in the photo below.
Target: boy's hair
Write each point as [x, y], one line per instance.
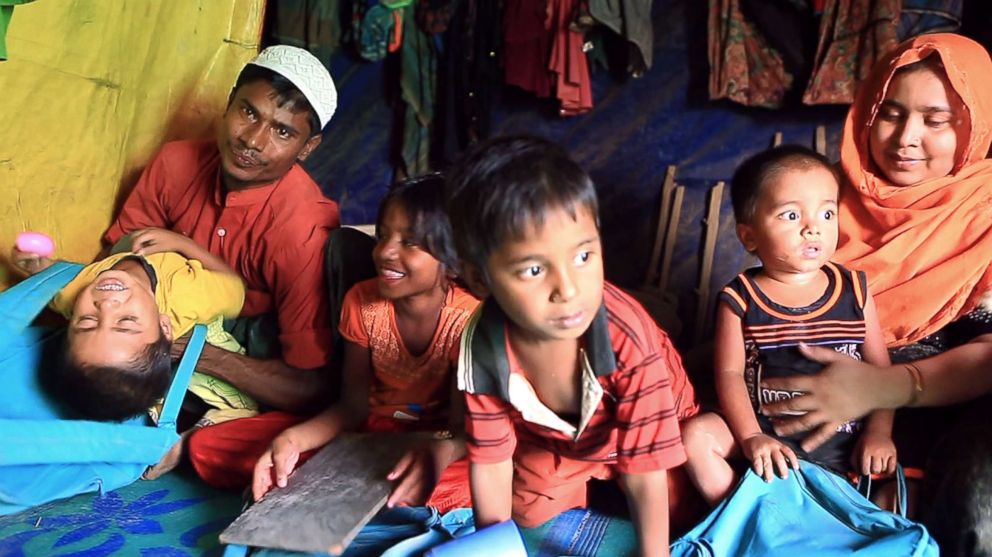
[109, 393]
[423, 200]
[507, 183]
[755, 173]
[286, 93]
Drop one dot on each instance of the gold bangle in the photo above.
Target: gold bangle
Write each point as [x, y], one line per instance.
[917, 389]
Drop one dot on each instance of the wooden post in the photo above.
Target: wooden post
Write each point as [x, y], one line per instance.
[712, 223]
[820, 140]
[670, 234]
[664, 226]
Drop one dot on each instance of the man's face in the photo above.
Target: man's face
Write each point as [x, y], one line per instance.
[113, 319]
[259, 140]
[550, 281]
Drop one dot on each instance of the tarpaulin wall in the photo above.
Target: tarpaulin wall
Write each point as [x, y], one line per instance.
[636, 129]
[89, 92]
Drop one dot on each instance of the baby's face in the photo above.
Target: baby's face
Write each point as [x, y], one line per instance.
[794, 229]
[114, 318]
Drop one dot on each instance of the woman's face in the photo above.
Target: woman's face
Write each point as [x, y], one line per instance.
[915, 134]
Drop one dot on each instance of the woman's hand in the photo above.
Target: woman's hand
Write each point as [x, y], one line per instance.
[844, 390]
[768, 454]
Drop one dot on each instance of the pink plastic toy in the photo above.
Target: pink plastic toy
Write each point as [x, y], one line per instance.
[36, 243]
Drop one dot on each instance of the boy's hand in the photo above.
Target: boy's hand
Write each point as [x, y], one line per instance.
[157, 240]
[27, 264]
[875, 453]
[274, 466]
[768, 454]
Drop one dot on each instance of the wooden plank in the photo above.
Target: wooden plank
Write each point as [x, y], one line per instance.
[667, 189]
[710, 233]
[328, 500]
[670, 235]
[820, 140]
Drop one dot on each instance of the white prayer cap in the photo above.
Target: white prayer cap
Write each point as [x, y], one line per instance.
[306, 72]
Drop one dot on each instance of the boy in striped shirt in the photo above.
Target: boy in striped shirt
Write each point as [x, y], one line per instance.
[566, 378]
[785, 204]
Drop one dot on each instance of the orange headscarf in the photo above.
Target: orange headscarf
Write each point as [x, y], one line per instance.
[927, 248]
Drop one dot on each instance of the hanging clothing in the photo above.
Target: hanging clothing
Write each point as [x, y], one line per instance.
[930, 16]
[468, 76]
[314, 25]
[418, 89]
[527, 45]
[853, 35]
[747, 69]
[631, 19]
[927, 248]
[7, 12]
[568, 61]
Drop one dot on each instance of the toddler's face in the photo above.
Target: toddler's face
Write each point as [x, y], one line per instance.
[113, 319]
[550, 281]
[794, 229]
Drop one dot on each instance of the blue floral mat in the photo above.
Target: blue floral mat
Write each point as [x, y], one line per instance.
[178, 515]
[174, 516]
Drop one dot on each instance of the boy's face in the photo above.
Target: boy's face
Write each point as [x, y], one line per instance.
[405, 269]
[550, 282]
[114, 318]
[794, 229]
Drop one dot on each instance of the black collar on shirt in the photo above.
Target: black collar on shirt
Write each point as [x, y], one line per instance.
[491, 366]
[149, 270]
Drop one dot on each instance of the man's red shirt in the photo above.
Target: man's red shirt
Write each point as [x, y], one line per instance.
[272, 235]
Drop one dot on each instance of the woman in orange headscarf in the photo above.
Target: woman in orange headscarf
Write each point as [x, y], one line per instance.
[916, 216]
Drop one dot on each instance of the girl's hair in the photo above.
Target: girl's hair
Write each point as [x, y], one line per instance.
[423, 200]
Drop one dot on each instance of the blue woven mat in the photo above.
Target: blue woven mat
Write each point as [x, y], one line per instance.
[176, 515]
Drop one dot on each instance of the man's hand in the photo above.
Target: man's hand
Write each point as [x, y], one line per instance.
[171, 458]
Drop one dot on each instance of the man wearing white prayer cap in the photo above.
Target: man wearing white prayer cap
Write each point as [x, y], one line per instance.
[245, 197]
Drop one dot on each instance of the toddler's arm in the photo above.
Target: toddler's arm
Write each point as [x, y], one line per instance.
[765, 453]
[875, 452]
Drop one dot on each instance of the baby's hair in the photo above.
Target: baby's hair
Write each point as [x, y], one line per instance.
[755, 173]
[423, 200]
[115, 393]
[507, 183]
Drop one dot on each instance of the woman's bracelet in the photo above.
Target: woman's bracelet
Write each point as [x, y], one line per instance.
[917, 376]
